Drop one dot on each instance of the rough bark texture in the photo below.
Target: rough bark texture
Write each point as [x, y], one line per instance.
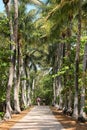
[28, 88]
[8, 105]
[82, 113]
[17, 84]
[75, 113]
[60, 96]
[70, 99]
[23, 85]
[33, 87]
[57, 87]
[54, 93]
[16, 97]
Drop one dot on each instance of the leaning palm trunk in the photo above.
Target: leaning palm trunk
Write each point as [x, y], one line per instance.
[75, 112]
[82, 113]
[17, 82]
[11, 69]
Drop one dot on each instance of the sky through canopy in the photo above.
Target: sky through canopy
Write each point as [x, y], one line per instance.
[2, 8]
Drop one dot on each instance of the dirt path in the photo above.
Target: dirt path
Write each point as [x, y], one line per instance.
[67, 122]
[39, 118]
[6, 125]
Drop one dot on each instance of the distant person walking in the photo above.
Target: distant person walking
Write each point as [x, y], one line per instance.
[38, 101]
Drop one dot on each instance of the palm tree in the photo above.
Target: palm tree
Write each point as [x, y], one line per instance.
[82, 113]
[12, 64]
[75, 113]
[60, 7]
[17, 41]
[83, 91]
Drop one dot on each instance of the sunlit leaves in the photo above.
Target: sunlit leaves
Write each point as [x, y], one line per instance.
[61, 72]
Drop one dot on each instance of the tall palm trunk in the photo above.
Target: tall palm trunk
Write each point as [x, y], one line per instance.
[17, 84]
[24, 96]
[69, 34]
[28, 87]
[59, 55]
[64, 76]
[75, 113]
[11, 69]
[60, 95]
[82, 113]
[28, 95]
[23, 85]
[61, 52]
[33, 87]
[54, 93]
[56, 79]
[55, 87]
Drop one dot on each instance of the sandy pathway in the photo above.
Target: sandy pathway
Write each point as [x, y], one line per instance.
[39, 118]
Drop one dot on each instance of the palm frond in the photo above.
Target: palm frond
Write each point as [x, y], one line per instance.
[37, 2]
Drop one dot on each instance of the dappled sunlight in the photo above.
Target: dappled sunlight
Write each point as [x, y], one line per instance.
[5, 125]
[68, 122]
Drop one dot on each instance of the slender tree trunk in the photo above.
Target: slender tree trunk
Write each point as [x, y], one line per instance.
[11, 69]
[54, 93]
[55, 83]
[68, 53]
[82, 113]
[75, 112]
[33, 87]
[70, 99]
[64, 76]
[61, 52]
[60, 96]
[28, 95]
[17, 85]
[8, 93]
[23, 85]
[65, 100]
[24, 95]
[28, 88]
[58, 81]
[16, 96]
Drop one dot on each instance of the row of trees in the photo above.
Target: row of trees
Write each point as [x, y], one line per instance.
[18, 24]
[66, 21]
